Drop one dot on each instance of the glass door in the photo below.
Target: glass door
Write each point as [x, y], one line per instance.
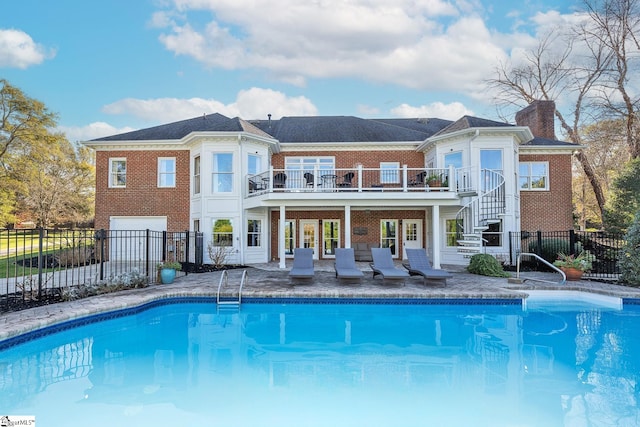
[309, 235]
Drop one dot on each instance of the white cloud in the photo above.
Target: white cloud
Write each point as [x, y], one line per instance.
[18, 50]
[91, 131]
[254, 103]
[452, 111]
[423, 45]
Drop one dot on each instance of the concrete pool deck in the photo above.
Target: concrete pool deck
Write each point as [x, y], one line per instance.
[269, 281]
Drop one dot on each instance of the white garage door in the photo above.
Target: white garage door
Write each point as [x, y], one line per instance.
[128, 237]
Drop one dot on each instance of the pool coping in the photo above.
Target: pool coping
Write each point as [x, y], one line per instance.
[326, 289]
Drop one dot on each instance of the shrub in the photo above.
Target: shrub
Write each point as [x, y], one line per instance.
[486, 265]
[629, 260]
[550, 248]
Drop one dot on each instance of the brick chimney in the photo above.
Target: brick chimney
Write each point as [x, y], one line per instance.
[539, 116]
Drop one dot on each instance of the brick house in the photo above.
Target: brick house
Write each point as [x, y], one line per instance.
[260, 188]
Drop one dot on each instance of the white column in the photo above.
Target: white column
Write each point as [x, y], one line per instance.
[281, 251]
[347, 226]
[435, 235]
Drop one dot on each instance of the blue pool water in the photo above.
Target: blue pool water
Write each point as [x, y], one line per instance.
[333, 365]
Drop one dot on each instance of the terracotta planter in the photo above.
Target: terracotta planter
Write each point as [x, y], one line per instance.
[572, 273]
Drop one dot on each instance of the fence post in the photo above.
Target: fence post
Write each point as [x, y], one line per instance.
[572, 242]
[40, 260]
[510, 248]
[147, 255]
[164, 246]
[102, 238]
[186, 251]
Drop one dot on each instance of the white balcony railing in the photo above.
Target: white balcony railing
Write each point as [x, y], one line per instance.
[360, 179]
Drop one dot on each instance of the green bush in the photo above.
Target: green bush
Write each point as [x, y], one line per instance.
[486, 265]
[550, 248]
[629, 259]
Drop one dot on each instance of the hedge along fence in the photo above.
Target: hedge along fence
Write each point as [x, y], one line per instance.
[605, 247]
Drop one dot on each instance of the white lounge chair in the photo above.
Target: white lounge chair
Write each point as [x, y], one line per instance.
[419, 265]
[302, 264]
[345, 264]
[383, 265]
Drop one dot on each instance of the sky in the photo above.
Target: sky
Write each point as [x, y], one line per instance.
[107, 67]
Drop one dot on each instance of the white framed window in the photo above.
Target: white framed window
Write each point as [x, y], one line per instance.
[222, 232]
[330, 236]
[534, 176]
[389, 172]
[118, 172]
[254, 233]
[289, 237]
[166, 171]
[389, 235]
[222, 173]
[453, 159]
[300, 170]
[254, 164]
[196, 175]
[451, 232]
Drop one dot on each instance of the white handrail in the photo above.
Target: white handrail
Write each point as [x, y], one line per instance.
[244, 278]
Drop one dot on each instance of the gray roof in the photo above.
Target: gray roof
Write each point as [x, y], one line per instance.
[342, 129]
[178, 130]
[538, 141]
[313, 129]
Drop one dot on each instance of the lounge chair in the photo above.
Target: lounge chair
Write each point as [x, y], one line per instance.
[383, 265]
[345, 264]
[419, 265]
[302, 264]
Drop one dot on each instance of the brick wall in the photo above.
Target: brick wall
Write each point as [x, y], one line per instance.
[142, 197]
[549, 210]
[370, 158]
[365, 219]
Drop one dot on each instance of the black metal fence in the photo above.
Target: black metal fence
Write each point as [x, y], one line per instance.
[605, 248]
[47, 265]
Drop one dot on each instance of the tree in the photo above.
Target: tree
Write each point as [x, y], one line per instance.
[54, 181]
[22, 119]
[590, 67]
[42, 175]
[625, 198]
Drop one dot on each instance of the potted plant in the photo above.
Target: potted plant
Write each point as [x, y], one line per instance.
[167, 271]
[574, 266]
[434, 180]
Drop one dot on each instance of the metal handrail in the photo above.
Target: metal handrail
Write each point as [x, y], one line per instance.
[224, 278]
[544, 261]
[242, 281]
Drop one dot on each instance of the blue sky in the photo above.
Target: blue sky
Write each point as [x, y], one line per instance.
[107, 67]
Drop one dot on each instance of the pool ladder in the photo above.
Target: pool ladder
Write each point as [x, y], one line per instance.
[230, 301]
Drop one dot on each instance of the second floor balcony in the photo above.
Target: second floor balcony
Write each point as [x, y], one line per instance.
[360, 180]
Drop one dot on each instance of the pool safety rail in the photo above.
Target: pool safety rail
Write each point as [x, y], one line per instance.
[231, 299]
[517, 279]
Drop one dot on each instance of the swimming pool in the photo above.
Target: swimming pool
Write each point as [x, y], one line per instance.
[332, 364]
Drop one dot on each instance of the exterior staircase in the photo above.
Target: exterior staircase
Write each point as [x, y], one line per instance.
[485, 208]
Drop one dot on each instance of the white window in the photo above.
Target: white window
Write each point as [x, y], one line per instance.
[534, 176]
[389, 173]
[330, 236]
[254, 164]
[196, 175]
[222, 173]
[289, 237]
[166, 171]
[254, 233]
[300, 170]
[389, 235]
[453, 159]
[118, 173]
[222, 233]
